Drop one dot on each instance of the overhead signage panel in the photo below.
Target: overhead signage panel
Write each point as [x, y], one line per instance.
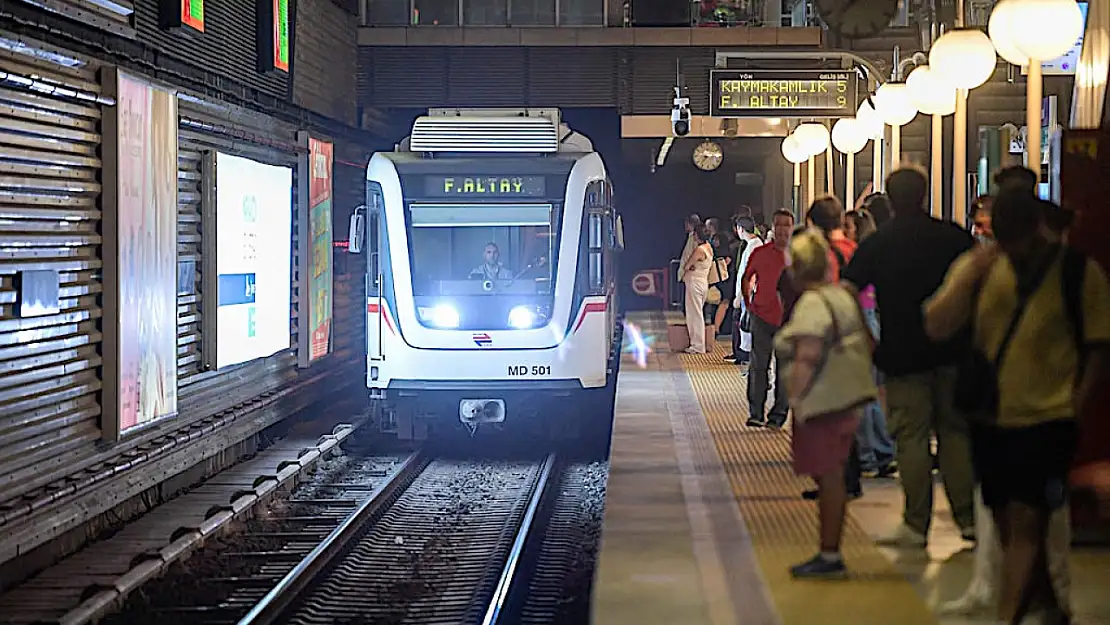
[783, 93]
[484, 186]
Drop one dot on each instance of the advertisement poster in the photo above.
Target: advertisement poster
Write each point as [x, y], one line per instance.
[254, 213]
[320, 159]
[147, 200]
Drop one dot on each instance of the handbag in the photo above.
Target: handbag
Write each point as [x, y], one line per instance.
[976, 391]
[718, 270]
[713, 295]
[843, 379]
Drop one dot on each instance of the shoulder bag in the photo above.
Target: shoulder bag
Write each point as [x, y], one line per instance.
[847, 381]
[718, 270]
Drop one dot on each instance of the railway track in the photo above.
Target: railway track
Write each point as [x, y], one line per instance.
[434, 541]
[230, 574]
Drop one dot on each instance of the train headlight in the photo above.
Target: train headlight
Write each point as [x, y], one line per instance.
[445, 316]
[522, 317]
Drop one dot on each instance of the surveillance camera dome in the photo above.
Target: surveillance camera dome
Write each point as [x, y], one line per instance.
[682, 127]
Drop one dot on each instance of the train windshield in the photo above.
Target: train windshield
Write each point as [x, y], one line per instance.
[482, 250]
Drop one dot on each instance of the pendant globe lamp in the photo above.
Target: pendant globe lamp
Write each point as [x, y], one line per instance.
[814, 137]
[892, 103]
[965, 59]
[848, 137]
[795, 154]
[873, 128]
[1027, 32]
[933, 96]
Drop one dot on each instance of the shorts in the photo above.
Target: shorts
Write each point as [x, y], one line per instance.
[1028, 465]
[822, 444]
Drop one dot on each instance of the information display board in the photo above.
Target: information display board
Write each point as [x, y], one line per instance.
[783, 93]
[254, 213]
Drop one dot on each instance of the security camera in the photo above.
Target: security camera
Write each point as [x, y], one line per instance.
[680, 114]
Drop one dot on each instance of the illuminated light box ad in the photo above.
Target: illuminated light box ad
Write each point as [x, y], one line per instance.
[254, 213]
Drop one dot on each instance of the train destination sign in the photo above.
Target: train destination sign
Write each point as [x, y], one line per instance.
[484, 186]
[783, 93]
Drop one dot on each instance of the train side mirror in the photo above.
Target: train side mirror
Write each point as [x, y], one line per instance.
[356, 237]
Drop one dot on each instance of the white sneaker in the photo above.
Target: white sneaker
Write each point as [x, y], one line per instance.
[902, 536]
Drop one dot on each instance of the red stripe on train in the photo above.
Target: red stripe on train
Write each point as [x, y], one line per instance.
[592, 307]
[373, 308]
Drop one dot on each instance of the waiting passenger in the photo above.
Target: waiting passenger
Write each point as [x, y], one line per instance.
[827, 216]
[747, 242]
[906, 260]
[876, 449]
[827, 347]
[878, 204]
[765, 267]
[491, 267]
[981, 219]
[1038, 311]
[696, 277]
[692, 223]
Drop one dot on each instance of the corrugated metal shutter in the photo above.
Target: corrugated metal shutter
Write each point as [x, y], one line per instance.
[408, 77]
[49, 220]
[325, 60]
[212, 391]
[349, 308]
[654, 75]
[591, 82]
[227, 46]
[487, 76]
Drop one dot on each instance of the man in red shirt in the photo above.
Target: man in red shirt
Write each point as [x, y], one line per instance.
[759, 287]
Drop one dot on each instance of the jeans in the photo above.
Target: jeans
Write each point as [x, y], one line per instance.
[876, 448]
[763, 345]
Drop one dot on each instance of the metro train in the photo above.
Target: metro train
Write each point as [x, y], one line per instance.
[491, 245]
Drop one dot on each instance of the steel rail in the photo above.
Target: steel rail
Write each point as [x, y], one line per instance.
[281, 596]
[508, 573]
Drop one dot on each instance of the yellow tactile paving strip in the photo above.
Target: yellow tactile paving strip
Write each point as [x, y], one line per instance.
[783, 527]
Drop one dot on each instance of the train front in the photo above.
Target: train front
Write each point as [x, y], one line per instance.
[487, 299]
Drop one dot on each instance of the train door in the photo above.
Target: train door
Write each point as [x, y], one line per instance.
[374, 215]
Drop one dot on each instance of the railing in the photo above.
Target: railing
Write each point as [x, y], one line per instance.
[578, 13]
[613, 13]
[484, 12]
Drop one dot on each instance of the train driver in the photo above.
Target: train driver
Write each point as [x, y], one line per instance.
[491, 267]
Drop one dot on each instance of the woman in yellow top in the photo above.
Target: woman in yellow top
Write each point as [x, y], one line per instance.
[1024, 453]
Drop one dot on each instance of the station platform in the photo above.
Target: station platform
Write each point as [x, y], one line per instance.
[703, 518]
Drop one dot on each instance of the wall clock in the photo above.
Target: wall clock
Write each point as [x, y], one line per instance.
[708, 156]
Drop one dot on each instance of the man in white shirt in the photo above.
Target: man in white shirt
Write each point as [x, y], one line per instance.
[744, 226]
